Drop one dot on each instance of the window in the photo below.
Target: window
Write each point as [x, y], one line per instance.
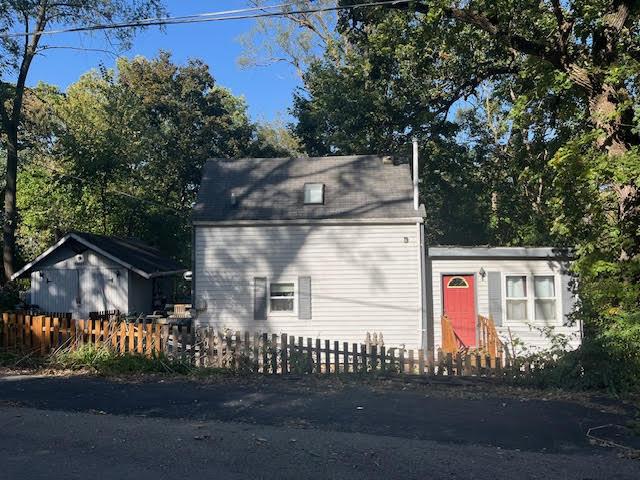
[544, 291]
[457, 282]
[313, 193]
[516, 297]
[282, 297]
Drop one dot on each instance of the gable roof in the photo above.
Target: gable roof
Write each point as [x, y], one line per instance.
[134, 255]
[264, 189]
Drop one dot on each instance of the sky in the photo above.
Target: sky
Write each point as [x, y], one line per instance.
[267, 90]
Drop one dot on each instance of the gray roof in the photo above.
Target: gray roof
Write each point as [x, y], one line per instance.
[131, 254]
[497, 252]
[273, 189]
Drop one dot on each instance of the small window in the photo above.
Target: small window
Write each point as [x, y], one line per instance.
[544, 290]
[516, 297]
[282, 297]
[313, 193]
[457, 282]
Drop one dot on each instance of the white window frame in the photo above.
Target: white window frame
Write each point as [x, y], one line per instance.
[280, 313]
[531, 298]
[506, 299]
[311, 185]
[556, 298]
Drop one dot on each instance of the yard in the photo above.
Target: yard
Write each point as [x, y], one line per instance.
[306, 427]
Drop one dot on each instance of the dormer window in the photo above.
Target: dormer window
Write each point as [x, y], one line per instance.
[313, 193]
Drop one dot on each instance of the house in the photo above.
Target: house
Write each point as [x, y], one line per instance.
[325, 247]
[525, 291]
[85, 273]
[333, 248]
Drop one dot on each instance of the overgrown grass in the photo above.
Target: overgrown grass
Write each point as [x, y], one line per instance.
[105, 361]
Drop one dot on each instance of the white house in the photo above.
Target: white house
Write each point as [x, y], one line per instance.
[333, 248]
[85, 273]
[325, 247]
[526, 291]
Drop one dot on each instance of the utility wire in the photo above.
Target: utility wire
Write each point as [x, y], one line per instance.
[239, 14]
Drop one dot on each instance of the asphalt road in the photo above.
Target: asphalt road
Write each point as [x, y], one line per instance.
[77, 427]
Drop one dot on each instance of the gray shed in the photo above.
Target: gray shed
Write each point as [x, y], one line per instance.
[85, 273]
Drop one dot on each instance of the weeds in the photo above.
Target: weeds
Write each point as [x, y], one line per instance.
[105, 361]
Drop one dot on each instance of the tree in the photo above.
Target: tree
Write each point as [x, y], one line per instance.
[126, 149]
[31, 18]
[592, 46]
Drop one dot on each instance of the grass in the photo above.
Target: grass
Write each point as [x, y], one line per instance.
[105, 361]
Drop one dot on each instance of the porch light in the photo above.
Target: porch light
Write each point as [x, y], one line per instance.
[482, 272]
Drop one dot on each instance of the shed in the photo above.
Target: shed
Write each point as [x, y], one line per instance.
[85, 273]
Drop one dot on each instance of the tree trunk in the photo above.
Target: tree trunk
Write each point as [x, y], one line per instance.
[10, 212]
[617, 139]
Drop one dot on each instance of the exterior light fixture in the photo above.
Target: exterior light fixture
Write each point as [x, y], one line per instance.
[482, 272]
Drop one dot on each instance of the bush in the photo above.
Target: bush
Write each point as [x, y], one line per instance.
[609, 361]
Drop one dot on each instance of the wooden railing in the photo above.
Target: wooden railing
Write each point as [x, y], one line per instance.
[489, 341]
[261, 353]
[451, 342]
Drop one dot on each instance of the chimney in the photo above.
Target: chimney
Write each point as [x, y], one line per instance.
[415, 174]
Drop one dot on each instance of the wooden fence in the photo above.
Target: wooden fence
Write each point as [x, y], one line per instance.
[241, 351]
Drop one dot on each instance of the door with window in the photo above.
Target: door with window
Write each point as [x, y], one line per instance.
[460, 306]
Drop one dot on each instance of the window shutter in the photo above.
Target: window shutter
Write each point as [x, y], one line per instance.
[495, 297]
[260, 298]
[568, 299]
[304, 298]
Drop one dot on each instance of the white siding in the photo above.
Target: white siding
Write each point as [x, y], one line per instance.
[528, 332]
[364, 278]
[94, 281]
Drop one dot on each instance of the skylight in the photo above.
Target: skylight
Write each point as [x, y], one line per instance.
[313, 193]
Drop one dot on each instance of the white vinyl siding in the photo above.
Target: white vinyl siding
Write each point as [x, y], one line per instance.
[365, 278]
[526, 330]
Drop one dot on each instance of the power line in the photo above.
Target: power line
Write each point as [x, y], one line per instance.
[238, 14]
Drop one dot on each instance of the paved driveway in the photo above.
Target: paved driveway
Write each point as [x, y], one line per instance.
[54, 427]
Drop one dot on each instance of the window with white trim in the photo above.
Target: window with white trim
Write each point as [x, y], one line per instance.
[282, 297]
[544, 293]
[516, 297]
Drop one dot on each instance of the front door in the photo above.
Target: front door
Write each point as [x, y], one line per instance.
[460, 306]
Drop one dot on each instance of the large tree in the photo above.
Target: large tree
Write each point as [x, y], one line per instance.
[121, 152]
[592, 46]
[22, 23]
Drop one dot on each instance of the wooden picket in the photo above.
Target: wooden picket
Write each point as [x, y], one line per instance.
[261, 353]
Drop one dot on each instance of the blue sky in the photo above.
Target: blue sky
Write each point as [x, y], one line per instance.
[267, 90]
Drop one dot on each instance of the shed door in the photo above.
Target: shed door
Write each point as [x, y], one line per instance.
[460, 305]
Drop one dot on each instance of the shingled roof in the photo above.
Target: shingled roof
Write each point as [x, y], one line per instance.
[132, 254]
[361, 186]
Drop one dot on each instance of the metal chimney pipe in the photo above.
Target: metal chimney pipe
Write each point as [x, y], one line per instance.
[415, 174]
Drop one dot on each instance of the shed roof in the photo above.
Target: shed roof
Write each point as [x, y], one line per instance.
[134, 255]
[264, 189]
[448, 251]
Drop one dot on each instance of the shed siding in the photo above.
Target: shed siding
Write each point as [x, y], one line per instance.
[525, 331]
[364, 278]
[94, 281]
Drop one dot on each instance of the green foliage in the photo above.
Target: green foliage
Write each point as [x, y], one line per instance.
[103, 360]
[125, 149]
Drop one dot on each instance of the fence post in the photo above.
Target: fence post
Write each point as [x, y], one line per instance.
[420, 361]
[318, 357]
[5, 330]
[309, 355]
[401, 361]
[354, 346]
[345, 357]
[336, 357]
[327, 357]
[383, 358]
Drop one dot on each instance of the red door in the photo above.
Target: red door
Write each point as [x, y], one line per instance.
[460, 306]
